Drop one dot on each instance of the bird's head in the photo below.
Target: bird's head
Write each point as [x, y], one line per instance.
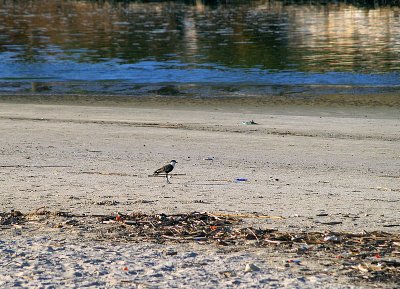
[173, 162]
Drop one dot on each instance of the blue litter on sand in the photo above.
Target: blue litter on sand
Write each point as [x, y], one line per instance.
[294, 261]
[241, 180]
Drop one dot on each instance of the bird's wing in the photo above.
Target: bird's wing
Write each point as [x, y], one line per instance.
[164, 169]
[160, 170]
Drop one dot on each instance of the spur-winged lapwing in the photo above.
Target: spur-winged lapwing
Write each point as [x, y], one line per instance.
[166, 169]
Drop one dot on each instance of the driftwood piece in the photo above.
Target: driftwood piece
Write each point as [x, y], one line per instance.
[246, 216]
[34, 166]
[163, 175]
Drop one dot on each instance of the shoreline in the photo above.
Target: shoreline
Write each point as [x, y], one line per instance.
[387, 105]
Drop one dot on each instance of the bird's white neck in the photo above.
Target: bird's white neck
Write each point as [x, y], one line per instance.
[173, 164]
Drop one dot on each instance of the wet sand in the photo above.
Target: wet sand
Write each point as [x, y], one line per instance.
[321, 169]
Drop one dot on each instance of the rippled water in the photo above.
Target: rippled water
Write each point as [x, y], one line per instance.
[177, 47]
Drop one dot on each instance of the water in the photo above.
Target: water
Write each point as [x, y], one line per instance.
[194, 48]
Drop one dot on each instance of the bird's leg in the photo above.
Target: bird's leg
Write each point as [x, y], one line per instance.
[166, 176]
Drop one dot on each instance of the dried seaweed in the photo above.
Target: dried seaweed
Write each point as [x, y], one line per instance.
[373, 256]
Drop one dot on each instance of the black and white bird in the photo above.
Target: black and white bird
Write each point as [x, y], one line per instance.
[166, 169]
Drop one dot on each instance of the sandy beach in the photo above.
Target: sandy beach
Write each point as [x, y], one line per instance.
[310, 168]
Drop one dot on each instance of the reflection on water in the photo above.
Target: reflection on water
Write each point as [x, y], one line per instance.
[250, 42]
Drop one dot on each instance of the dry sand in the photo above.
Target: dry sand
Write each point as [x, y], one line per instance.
[322, 169]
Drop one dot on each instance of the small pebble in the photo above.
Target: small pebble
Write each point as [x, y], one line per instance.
[251, 268]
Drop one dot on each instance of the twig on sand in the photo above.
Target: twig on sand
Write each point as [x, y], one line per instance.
[184, 238]
[246, 216]
[273, 241]
[106, 173]
[163, 175]
[254, 234]
[34, 166]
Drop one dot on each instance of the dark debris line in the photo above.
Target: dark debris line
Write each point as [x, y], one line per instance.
[12, 218]
[373, 256]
